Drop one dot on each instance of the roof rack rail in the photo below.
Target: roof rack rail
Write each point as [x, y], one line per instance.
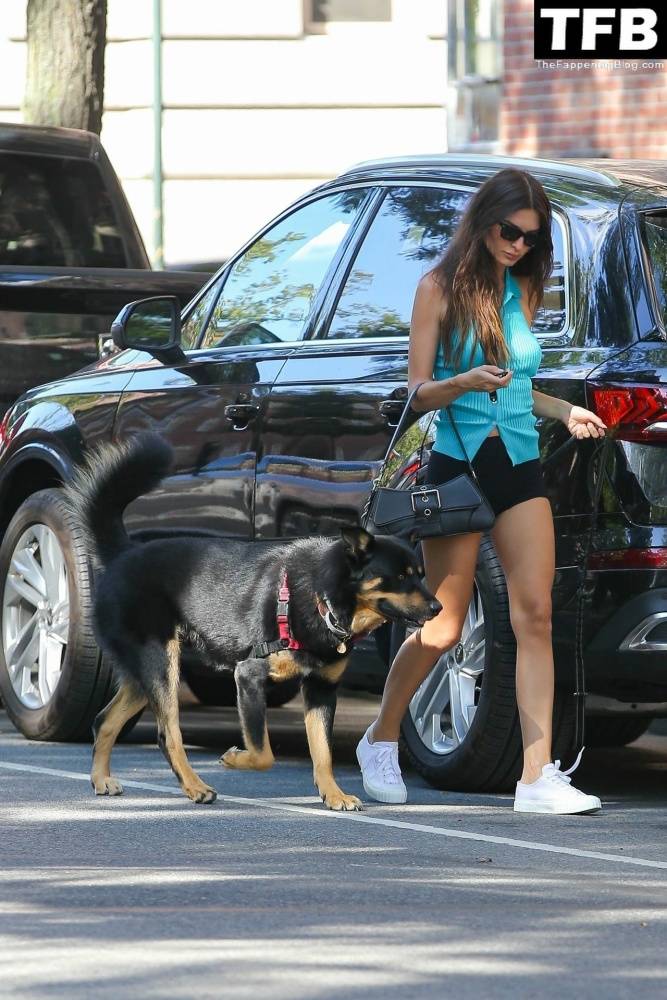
[565, 168]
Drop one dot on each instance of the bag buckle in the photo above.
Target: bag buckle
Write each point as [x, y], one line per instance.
[423, 500]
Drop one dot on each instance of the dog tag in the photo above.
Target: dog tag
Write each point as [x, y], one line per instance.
[341, 648]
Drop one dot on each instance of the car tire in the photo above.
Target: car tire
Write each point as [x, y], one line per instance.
[484, 751]
[614, 731]
[220, 689]
[56, 681]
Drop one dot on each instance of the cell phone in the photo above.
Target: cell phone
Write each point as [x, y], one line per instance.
[493, 395]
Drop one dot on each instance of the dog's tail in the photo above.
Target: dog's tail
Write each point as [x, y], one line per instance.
[114, 476]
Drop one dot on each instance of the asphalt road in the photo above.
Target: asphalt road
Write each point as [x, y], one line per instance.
[267, 894]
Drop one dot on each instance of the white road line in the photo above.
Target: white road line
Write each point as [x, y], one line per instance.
[286, 806]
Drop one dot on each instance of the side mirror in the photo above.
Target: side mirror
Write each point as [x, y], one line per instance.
[152, 325]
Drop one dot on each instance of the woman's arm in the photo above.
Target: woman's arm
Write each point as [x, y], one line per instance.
[580, 422]
[550, 406]
[424, 338]
[543, 405]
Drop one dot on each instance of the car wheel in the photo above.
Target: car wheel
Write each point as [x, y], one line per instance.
[461, 730]
[220, 689]
[614, 731]
[53, 679]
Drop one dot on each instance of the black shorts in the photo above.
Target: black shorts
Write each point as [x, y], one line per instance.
[504, 484]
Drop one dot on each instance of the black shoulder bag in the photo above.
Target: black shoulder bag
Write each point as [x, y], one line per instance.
[427, 511]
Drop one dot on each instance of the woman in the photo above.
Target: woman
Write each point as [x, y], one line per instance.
[490, 282]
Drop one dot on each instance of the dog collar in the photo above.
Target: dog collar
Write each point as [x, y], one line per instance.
[329, 618]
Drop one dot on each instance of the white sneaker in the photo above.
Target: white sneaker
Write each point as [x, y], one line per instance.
[380, 770]
[554, 793]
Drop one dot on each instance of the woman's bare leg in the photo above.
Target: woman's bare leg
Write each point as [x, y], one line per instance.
[524, 540]
[450, 572]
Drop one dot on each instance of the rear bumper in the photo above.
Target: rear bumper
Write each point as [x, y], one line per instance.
[649, 636]
[626, 657]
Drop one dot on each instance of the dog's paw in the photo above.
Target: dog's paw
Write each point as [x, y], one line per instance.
[201, 794]
[341, 802]
[107, 786]
[231, 757]
[244, 760]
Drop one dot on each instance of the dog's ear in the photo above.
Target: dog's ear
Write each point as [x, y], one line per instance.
[358, 543]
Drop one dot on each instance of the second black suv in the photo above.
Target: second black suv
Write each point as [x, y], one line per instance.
[279, 398]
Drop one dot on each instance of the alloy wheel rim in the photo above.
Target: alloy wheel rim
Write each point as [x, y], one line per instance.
[443, 707]
[35, 616]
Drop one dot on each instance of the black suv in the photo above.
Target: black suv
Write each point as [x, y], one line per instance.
[278, 392]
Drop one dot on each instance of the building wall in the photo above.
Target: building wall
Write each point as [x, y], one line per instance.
[602, 112]
[258, 108]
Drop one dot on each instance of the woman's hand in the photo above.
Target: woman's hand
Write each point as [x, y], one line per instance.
[582, 423]
[483, 379]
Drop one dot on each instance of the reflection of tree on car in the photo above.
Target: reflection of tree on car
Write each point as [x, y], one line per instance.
[247, 335]
[655, 232]
[419, 223]
[273, 284]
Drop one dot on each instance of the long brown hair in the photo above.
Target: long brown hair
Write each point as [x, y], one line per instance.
[467, 271]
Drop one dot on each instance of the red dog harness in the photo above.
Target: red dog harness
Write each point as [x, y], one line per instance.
[282, 615]
[286, 640]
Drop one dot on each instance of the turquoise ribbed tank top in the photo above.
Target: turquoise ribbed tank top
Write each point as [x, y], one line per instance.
[474, 413]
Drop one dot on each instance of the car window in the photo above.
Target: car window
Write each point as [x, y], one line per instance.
[269, 291]
[407, 237]
[654, 230]
[551, 318]
[56, 212]
[193, 325]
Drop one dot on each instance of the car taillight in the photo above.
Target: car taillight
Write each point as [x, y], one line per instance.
[636, 412]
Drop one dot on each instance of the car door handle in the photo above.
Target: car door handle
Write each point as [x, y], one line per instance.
[392, 410]
[241, 414]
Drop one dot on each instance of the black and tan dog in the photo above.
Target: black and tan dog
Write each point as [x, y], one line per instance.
[262, 609]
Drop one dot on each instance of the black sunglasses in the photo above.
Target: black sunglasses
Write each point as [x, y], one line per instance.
[511, 233]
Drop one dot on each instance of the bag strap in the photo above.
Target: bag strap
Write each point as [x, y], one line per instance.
[363, 517]
[456, 431]
[398, 430]
[403, 420]
[463, 447]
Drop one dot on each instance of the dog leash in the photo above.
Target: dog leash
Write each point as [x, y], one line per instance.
[603, 451]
